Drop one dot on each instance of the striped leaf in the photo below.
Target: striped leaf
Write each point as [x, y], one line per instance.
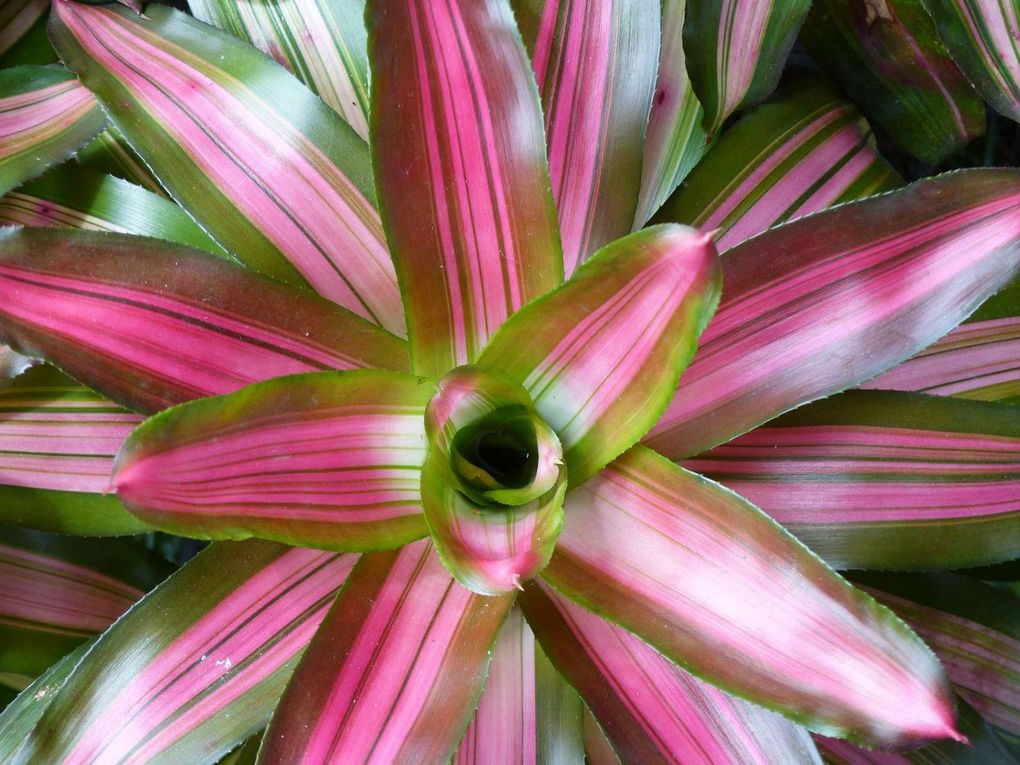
[825, 302]
[57, 442]
[59, 592]
[597, 749]
[675, 139]
[461, 170]
[803, 151]
[972, 627]
[981, 36]
[151, 324]
[33, 46]
[977, 360]
[596, 62]
[330, 460]
[395, 671]
[270, 171]
[653, 711]
[527, 714]
[110, 154]
[601, 355]
[736, 50]
[197, 666]
[983, 747]
[45, 117]
[885, 480]
[888, 58]
[79, 197]
[17, 18]
[323, 43]
[718, 587]
[19, 717]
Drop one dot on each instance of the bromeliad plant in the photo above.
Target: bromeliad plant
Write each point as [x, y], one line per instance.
[425, 509]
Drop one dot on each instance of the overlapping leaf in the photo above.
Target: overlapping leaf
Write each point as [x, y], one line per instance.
[804, 150]
[825, 302]
[395, 670]
[110, 154]
[57, 443]
[45, 117]
[977, 360]
[595, 62]
[461, 170]
[150, 324]
[323, 43]
[888, 58]
[885, 480]
[198, 665]
[718, 587]
[270, 171]
[17, 17]
[330, 460]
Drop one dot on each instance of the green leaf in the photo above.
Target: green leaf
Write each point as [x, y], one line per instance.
[888, 58]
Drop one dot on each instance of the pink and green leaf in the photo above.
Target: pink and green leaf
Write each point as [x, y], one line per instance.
[330, 460]
[887, 56]
[81, 198]
[396, 669]
[823, 303]
[983, 747]
[460, 166]
[57, 443]
[269, 170]
[45, 117]
[675, 139]
[980, 359]
[151, 324]
[595, 62]
[972, 627]
[59, 591]
[736, 50]
[719, 588]
[804, 150]
[981, 36]
[491, 549]
[198, 665]
[886, 480]
[110, 154]
[653, 711]
[602, 354]
[323, 43]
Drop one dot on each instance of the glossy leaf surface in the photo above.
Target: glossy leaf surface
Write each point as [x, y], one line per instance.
[81, 198]
[57, 443]
[885, 480]
[274, 174]
[330, 460]
[736, 50]
[110, 154]
[675, 139]
[461, 170]
[198, 665]
[45, 117]
[718, 587]
[977, 360]
[59, 592]
[981, 38]
[601, 355]
[168, 323]
[396, 668]
[595, 62]
[804, 150]
[323, 43]
[887, 56]
[652, 710]
[825, 302]
[17, 17]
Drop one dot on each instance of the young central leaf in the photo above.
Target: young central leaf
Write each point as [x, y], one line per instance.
[493, 485]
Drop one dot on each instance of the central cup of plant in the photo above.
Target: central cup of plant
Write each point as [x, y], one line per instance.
[494, 480]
